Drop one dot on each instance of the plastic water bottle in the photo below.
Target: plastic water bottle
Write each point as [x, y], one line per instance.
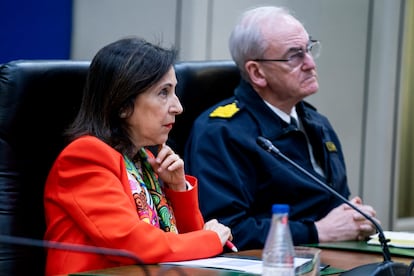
[279, 253]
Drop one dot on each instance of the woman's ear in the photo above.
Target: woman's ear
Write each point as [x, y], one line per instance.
[256, 75]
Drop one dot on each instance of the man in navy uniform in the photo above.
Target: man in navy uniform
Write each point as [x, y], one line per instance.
[238, 180]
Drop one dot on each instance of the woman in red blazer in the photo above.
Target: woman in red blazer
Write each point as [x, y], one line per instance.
[106, 189]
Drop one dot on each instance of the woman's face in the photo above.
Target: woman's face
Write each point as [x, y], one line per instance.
[154, 112]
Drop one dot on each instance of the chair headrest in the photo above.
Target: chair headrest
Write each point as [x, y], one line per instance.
[201, 84]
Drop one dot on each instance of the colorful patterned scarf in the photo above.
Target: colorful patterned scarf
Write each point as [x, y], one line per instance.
[152, 205]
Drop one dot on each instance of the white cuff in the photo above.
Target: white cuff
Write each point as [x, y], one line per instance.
[189, 187]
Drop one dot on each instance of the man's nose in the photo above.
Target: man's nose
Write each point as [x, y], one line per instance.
[308, 61]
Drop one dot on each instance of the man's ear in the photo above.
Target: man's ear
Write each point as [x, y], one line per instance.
[256, 75]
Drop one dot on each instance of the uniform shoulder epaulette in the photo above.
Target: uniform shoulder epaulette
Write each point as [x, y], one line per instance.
[225, 111]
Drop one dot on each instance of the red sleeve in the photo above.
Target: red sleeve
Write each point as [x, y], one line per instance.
[88, 200]
[185, 205]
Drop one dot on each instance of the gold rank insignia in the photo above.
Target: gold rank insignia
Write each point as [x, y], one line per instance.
[226, 111]
[330, 146]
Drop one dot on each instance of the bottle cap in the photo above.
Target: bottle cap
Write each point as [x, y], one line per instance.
[280, 208]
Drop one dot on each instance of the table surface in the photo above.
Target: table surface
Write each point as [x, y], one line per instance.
[342, 259]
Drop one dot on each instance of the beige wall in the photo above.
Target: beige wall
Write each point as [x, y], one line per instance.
[358, 68]
[99, 22]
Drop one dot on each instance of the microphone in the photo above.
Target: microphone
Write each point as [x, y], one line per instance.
[72, 247]
[385, 268]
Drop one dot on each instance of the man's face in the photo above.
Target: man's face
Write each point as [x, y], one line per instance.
[289, 81]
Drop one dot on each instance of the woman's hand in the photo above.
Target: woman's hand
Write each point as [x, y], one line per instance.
[222, 231]
[170, 168]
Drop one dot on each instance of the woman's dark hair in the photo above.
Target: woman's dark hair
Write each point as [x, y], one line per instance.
[118, 73]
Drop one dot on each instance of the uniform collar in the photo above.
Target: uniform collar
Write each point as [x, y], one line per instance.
[285, 117]
[248, 98]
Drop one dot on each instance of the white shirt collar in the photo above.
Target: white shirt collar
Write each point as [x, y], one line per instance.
[285, 117]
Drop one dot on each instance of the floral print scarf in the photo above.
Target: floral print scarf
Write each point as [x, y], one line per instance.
[152, 205]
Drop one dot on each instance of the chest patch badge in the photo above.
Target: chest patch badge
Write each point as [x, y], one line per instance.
[330, 146]
[226, 111]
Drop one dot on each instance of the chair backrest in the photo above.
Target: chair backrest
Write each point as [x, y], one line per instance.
[38, 99]
[200, 85]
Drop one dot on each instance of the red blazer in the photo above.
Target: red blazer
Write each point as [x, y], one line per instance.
[88, 201]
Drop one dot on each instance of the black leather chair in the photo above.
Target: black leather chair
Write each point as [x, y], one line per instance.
[200, 85]
[38, 99]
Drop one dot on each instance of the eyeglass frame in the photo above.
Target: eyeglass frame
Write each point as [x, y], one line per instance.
[309, 46]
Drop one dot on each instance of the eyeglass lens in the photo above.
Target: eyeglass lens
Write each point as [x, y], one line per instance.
[314, 48]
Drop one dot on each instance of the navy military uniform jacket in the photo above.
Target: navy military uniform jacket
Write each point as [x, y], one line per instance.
[239, 181]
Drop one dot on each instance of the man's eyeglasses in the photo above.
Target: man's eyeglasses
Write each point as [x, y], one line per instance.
[296, 56]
